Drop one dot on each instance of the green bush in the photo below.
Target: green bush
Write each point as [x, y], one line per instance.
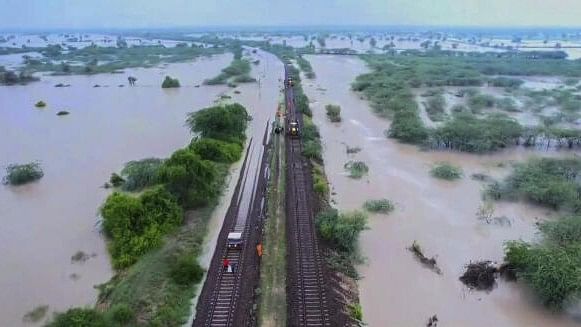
[407, 127]
[547, 181]
[551, 271]
[333, 113]
[216, 150]
[357, 169]
[341, 230]
[312, 149]
[137, 225]
[226, 122]
[467, 133]
[189, 178]
[140, 174]
[185, 270]
[121, 314]
[40, 104]
[481, 101]
[356, 311]
[18, 174]
[381, 205]
[116, 180]
[169, 82]
[446, 171]
[436, 107]
[79, 317]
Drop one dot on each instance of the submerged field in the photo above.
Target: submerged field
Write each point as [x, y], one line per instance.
[440, 215]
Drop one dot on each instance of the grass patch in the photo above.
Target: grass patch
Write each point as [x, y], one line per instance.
[356, 169]
[237, 72]
[379, 206]
[444, 170]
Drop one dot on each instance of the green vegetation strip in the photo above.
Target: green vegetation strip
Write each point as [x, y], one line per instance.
[550, 267]
[153, 244]
[389, 87]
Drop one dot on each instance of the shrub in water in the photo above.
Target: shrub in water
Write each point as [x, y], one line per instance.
[446, 171]
[140, 174]
[381, 205]
[40, 104]
[169, 82]
[333, 112]
[357, 169]
[21, 174]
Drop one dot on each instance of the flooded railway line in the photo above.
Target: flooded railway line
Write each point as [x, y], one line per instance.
[228, 295]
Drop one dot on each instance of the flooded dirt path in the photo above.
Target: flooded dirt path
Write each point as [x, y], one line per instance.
[44, 223]
[396, 290]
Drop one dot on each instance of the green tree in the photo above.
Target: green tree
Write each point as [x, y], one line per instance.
[227, 122]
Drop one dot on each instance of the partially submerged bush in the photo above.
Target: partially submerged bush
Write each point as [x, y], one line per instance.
[547, 181]
[357, 169]
[353, 150]
[36, 314]
[381, 206]
[169, 82]
[18, 174]
[140, 174]
[341, 230]
[333, 113]
[40, 104]
[444, 170]
[226, 122]
[62, 113]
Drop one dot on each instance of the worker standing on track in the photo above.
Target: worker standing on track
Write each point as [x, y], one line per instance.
[259, 249]
[226, 264]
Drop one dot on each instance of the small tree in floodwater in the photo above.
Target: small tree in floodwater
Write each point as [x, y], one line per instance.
[333, 112]
[357, 169]
[18, 174]
[446, 171]
[169, 82]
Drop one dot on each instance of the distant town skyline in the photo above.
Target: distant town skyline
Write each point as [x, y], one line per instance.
[79, 14]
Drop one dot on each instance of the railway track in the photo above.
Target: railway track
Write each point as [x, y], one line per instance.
[306, 296]
[227, 297]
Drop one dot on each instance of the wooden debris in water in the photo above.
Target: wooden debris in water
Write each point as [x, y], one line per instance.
[428, 262]
[432, 321]
[480, 275]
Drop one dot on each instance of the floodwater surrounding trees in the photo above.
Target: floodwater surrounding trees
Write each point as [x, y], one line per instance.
[438, 214]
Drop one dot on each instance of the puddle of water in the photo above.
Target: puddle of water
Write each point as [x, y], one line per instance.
[45, 223]
[396, 290]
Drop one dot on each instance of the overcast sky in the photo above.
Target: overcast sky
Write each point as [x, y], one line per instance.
[16, 14]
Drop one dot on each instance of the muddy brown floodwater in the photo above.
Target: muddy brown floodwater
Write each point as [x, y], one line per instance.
[396, 290]
[44, 223]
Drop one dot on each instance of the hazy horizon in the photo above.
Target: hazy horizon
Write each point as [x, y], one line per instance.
[110, 14]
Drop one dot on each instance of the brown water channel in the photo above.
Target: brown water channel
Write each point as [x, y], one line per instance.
[44, 223]
[396, 290]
